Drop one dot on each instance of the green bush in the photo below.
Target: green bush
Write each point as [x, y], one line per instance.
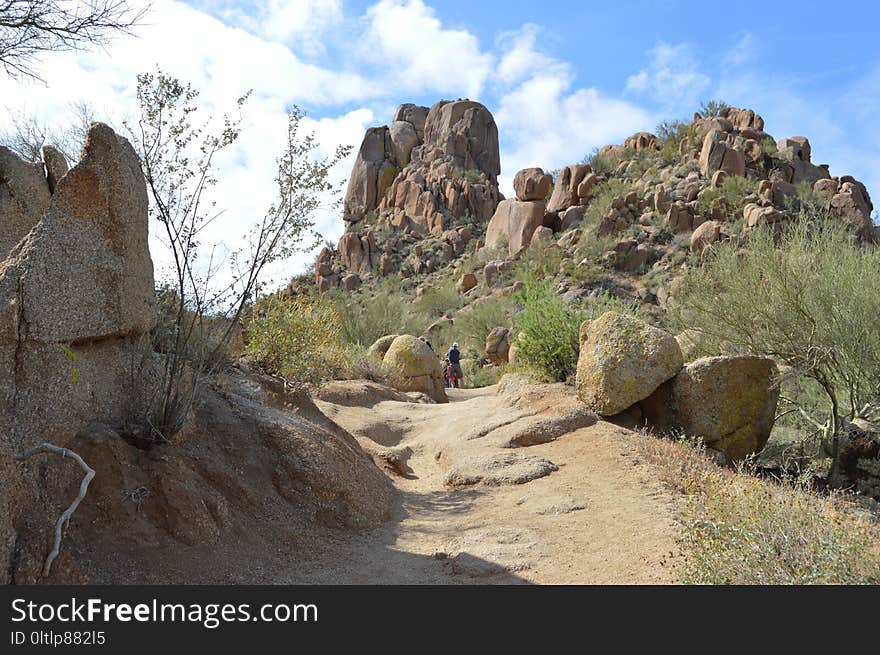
[547, 327]
[438, 300]
[366, 315]
[602, 163]
[473, 324]
[729, 198]
[713, 108]
[296, 340]
[601, 201]
[673, 134]
[547, 330]
[802, 298]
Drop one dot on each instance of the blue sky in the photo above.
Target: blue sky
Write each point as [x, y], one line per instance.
[560, 77]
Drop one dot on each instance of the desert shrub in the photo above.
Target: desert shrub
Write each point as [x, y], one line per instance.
[738, 529]
[729, 198]
[673, 134]
[712, 108]
[483, 376]
[602, 163]
[359, 364]
[768, 146]
[547, 327]
[470, 175]
[438, 300]
[541, 259]
[473, 324]
[367, 315]
[296, 339]
[547, 330]
[601, 201]
[801, 298]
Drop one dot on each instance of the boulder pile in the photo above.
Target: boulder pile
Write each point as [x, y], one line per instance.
[423, 174]
[728, 402]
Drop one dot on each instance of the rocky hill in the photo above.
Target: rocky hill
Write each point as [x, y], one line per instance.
[423, 194]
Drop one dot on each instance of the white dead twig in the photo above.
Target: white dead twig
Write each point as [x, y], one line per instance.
[83, 489]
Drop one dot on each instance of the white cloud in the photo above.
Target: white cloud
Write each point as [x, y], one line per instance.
[223, 62]
[521, 59]
[299, 24]
[543, 122]
[286, 19]
[672, 78]
[742, 52]
[418, 54]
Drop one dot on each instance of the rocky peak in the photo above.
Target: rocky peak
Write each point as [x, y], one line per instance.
[430, 172]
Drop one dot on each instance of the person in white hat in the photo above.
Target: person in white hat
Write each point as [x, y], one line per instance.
[454, 357]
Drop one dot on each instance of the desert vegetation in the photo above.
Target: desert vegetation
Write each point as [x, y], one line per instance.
[690, 308]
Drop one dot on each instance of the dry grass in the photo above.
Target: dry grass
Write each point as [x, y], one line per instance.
[739, 529]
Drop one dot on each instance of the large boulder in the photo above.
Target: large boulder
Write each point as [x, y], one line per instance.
[358, 252]
[411, 365]
[415, 115]
[796, 152]
[678, 218]
[852, 206]
[532, 184]
[76, 295]
[372, 174]
[718, 154]
[403, 140]
[705, 235]
[466, 131]
[498, 345]
[515, 220]
[622, 361]
[381, 345]
[729, 402]
[566, 189]
[24, 198]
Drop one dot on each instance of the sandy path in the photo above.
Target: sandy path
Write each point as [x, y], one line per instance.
[600, 518]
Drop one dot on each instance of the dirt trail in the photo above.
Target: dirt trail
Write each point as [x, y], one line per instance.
[599, 518]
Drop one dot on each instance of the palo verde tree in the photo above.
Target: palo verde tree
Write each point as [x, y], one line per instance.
[29, 28]
[804, 299]
[205, 298]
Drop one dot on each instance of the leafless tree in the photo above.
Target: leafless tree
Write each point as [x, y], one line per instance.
[198, 313]
[26, 134]
[31, 27]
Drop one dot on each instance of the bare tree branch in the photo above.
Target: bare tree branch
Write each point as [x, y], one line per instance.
[66, 514]
[31, 27]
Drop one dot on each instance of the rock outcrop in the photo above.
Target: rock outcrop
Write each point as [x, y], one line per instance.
[431, 172]
[719, 154]
[622, 361]
[75, 295]
[24, 198]
[515, 222]
[574, 186]
[77, 300]
[427, 167]
[532, 184]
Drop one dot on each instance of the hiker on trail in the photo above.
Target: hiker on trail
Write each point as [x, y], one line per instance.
[454, 358]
